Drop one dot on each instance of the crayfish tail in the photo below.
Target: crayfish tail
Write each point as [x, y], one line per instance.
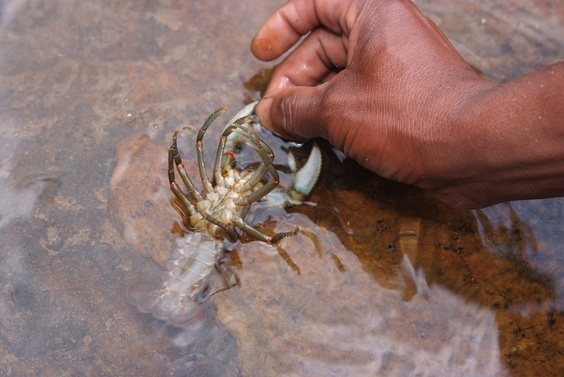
[167, 306]
[144, 296]
[191, 315]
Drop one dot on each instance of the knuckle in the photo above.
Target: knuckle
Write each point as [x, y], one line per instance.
[286, 114]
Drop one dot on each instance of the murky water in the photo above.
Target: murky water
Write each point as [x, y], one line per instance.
[381, 280]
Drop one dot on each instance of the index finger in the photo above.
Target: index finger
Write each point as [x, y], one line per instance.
[295, 19]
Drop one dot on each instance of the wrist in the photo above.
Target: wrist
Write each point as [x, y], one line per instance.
[451, 154]
[505, 142]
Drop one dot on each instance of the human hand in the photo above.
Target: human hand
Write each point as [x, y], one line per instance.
[379, 81]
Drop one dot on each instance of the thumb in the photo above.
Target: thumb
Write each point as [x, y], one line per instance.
[293, 113]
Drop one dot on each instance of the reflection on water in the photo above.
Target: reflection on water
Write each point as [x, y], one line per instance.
[497, 269]
[332, 320]
[381, 280]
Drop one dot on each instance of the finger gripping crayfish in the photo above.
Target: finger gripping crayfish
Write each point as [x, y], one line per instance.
[217, 214]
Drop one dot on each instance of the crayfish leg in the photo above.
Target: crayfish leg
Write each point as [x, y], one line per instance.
[278, 236]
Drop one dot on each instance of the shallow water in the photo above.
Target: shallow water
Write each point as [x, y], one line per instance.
[381, 280]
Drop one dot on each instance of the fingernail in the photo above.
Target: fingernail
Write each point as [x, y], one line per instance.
[263, 112]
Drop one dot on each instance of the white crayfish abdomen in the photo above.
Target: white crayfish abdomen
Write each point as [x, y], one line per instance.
[186, 272]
